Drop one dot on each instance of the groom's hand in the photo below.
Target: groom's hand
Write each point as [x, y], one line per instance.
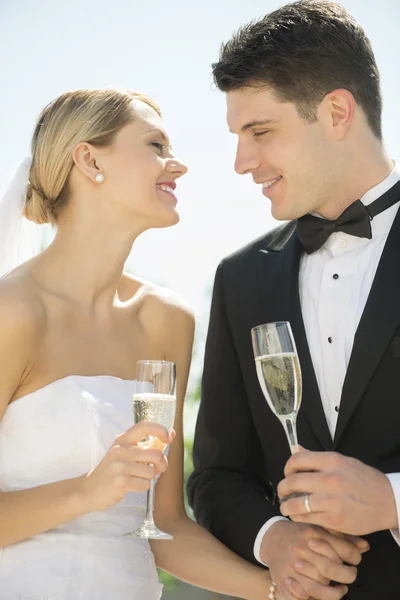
[344, 494]
[303, 559]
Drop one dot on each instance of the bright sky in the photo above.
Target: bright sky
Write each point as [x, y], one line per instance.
[164, 48]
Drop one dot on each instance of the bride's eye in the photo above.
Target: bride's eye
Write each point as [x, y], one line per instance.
[160, 147]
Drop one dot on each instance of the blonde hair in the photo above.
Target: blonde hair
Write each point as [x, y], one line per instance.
[94, 116]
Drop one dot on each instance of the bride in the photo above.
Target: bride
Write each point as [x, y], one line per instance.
[73, 475]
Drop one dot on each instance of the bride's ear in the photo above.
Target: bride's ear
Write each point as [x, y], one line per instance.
[84, 157]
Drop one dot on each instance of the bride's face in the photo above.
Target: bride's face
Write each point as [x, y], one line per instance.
[140, 171]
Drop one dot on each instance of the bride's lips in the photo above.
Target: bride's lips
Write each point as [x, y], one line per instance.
[168, 187]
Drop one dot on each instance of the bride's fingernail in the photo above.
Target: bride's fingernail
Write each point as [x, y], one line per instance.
[289, 581]
[313, 544]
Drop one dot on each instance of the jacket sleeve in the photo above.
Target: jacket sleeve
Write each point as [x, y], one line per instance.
[229, 489]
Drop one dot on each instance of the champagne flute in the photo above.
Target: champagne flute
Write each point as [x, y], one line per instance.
[278, 371]
[157, 405]
[279, 374]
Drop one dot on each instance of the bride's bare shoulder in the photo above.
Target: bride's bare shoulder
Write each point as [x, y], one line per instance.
[20, 305]
[21, 329]
[158, 306]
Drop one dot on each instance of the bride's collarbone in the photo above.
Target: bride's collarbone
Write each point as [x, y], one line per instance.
[71, 342]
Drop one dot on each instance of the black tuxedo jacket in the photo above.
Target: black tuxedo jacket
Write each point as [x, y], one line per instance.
[240, 448]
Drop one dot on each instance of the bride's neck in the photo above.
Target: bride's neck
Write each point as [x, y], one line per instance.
[86, 259]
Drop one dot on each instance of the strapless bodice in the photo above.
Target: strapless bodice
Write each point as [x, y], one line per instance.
[61, 431]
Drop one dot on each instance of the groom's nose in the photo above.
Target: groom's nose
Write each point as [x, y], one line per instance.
[247, 158]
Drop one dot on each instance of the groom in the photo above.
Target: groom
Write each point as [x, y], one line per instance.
[304, 100]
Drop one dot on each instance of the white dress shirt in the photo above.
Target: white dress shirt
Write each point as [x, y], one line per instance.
[340, 274]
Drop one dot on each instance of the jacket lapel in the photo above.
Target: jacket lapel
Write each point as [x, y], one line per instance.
[280, 301]
[380, 319]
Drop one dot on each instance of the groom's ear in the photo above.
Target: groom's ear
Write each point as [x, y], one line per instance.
[336, 112]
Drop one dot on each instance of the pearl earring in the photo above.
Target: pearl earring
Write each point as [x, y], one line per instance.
[99, 178]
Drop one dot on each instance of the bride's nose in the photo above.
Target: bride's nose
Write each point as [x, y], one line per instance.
[176, 167]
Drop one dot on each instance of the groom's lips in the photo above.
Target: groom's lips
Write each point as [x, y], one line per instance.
[272, 184]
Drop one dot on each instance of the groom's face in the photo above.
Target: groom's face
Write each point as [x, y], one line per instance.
[290, 156]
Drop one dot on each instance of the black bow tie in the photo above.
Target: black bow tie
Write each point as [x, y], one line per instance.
[355, 220]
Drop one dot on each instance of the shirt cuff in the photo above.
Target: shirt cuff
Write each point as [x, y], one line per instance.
[394, 479]
[262, 532]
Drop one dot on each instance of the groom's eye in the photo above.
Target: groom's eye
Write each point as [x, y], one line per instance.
[260, 133]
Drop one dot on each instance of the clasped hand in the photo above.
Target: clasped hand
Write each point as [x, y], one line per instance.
[344, 494]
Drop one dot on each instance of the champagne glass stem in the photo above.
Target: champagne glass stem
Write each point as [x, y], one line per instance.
[149, 518]
[289, 425]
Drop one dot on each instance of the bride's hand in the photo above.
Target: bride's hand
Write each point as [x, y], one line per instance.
[127, 467]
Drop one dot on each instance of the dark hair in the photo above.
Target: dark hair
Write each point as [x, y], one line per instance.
[303, 51]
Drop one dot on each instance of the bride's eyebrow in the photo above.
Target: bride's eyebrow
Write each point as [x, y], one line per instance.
[162, 135]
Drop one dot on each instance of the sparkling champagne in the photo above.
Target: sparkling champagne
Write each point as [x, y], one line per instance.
[280, 380]
[158, 408]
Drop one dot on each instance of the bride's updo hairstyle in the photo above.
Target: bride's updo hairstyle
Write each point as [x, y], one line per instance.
[93, 116]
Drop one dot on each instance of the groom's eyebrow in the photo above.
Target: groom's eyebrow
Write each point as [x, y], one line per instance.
[258, 123]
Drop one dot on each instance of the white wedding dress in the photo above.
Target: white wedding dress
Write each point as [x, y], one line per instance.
[61, 431]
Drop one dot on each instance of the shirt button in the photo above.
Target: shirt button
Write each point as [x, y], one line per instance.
[330, 340]
[343, 243]
[337, 409]
[335, 276]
